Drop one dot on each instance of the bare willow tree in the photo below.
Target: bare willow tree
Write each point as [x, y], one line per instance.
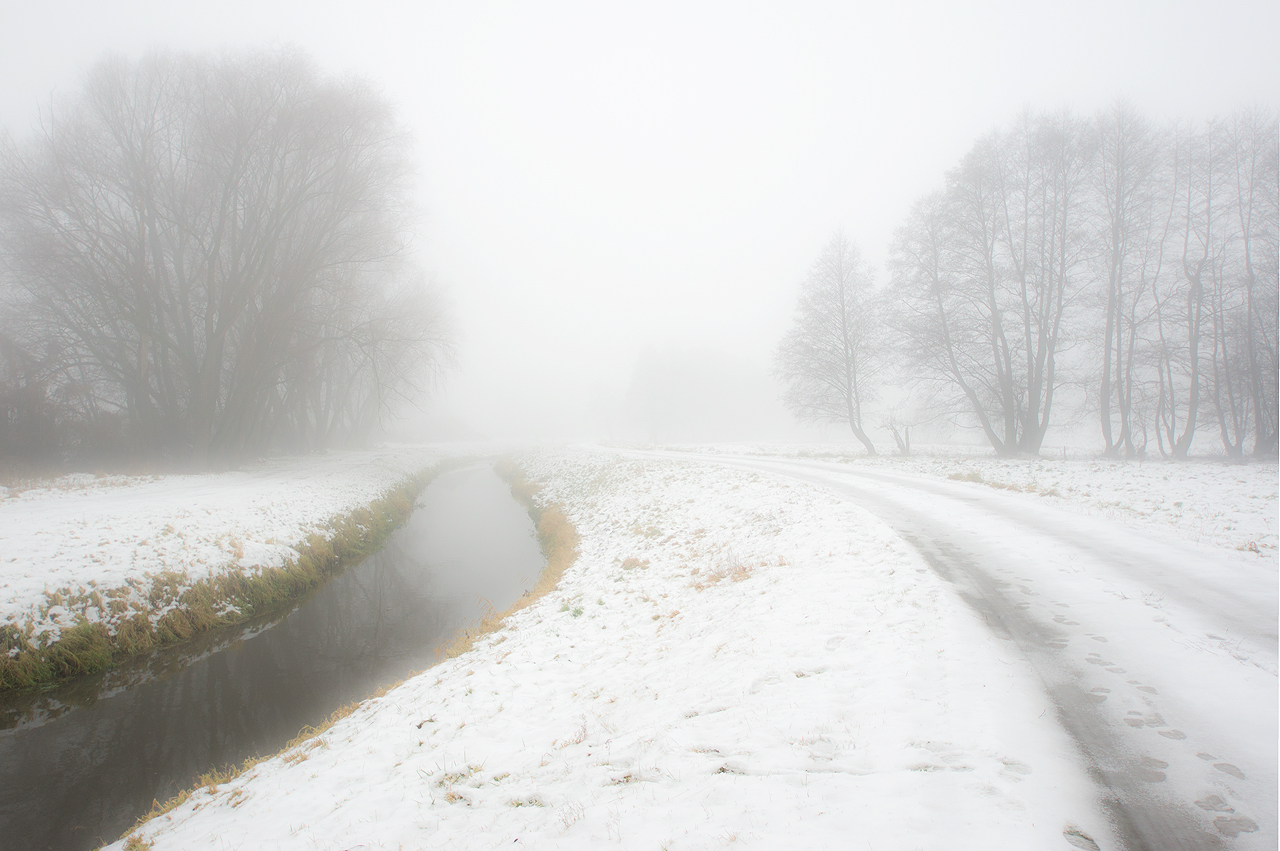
[1252, 186]
[1215, 320]
[830, 356]
[218, 243]
[1150, 251]
[1132, 224]
[986, 272]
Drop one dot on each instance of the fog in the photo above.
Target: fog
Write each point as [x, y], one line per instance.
[620, 200]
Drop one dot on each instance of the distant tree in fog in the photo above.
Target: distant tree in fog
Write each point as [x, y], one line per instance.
[1148, 254]
[1130, 218]
[1246, 310]
[208, 252]
[831, 355]
[986, 271]
[1209, 325]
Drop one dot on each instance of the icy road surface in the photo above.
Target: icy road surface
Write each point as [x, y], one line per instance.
[1159, 656]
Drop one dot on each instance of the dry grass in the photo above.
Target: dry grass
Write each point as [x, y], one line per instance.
[230, 597]
[976, 477]
[733, 570]
[559, 541]
[292, 754]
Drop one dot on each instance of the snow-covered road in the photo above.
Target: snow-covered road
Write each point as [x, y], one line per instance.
[1159, 656]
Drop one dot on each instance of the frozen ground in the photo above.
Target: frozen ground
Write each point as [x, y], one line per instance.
[741, 657]
[81, 534]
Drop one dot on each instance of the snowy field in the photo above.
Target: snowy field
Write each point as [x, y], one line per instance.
[80, 534]
[735, 659]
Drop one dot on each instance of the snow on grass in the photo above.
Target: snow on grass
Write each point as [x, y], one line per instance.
[1211, 502]
[733, 659]
[79, 537]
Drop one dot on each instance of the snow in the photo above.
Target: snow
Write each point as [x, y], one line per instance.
[733, 659]
[738, 657]
[81, 534]
[1205, 501]
[1159, 645]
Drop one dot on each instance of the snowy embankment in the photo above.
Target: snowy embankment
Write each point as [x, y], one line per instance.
[733, 658]
[85, 549]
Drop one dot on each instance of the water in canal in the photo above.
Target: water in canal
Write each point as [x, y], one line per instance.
[80, 763]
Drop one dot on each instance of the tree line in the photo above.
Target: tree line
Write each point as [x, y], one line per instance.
[204, 259]
[1133, 262]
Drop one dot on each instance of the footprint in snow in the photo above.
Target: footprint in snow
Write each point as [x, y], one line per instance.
[1233, 826]
[1079, 839]
[1137, 719]
[1014, 770]
[1228, 768]
[1214, 804]
[1150, 770]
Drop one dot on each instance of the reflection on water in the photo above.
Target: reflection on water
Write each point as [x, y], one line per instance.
[79, 764]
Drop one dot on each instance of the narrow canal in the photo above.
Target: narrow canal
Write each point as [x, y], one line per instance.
[80, 763]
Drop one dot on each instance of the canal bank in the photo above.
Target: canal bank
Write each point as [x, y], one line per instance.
[101, 568]
[732, 658]
[84, 761]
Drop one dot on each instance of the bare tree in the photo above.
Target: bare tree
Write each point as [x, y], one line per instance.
[1253, 186]
[1152, 250]
[985, 272]
[221, 239]
[1128, 187]
[829, 357]
[1215, 320]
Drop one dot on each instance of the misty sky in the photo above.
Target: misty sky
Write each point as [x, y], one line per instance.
[606, 183]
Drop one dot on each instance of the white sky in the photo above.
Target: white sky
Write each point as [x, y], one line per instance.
[598, 178]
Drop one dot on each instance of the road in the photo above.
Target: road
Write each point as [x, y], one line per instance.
[1160, 656]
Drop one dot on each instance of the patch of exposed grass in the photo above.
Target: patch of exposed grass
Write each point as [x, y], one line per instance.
[975, 476]
[191, 607]
[733, 570]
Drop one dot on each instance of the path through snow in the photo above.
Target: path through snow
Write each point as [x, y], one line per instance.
[1160, 657]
